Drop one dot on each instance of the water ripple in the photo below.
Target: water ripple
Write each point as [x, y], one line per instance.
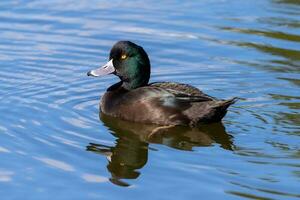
[49, 107]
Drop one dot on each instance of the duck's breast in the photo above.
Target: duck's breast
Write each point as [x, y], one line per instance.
[146, 104]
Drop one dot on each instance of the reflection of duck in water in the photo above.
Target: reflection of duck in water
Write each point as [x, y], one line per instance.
[131, 150]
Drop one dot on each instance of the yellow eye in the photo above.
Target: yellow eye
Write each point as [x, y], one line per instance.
[124, 56]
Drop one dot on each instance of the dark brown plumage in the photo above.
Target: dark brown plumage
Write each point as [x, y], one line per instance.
[163, 103]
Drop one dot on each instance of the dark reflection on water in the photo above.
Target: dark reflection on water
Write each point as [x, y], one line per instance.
[290, 58]
[130, 152]
[293, 2]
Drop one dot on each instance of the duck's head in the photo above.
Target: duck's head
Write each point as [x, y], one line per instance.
[129, 62]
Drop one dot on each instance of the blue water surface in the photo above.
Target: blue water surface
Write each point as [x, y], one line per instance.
[54, 145]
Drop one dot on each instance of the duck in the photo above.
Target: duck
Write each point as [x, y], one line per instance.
[167, 104]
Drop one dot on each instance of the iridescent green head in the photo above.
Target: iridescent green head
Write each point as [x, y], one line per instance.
[129, 62]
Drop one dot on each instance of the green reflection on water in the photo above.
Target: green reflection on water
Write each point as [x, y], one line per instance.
[271, 34]
[296, 2]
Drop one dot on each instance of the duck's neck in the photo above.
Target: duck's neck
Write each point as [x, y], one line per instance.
[126, 85]
[131, 83]
[134, 84]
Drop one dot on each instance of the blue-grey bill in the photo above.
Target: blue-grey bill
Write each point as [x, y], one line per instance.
[108, 68]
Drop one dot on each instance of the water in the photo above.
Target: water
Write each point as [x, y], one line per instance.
[53, 145]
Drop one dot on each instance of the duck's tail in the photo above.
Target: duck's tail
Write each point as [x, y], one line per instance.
[224, 104]
[221, 107]
[212, 112]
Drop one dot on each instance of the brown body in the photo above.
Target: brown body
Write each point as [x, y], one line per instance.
[163, 103]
